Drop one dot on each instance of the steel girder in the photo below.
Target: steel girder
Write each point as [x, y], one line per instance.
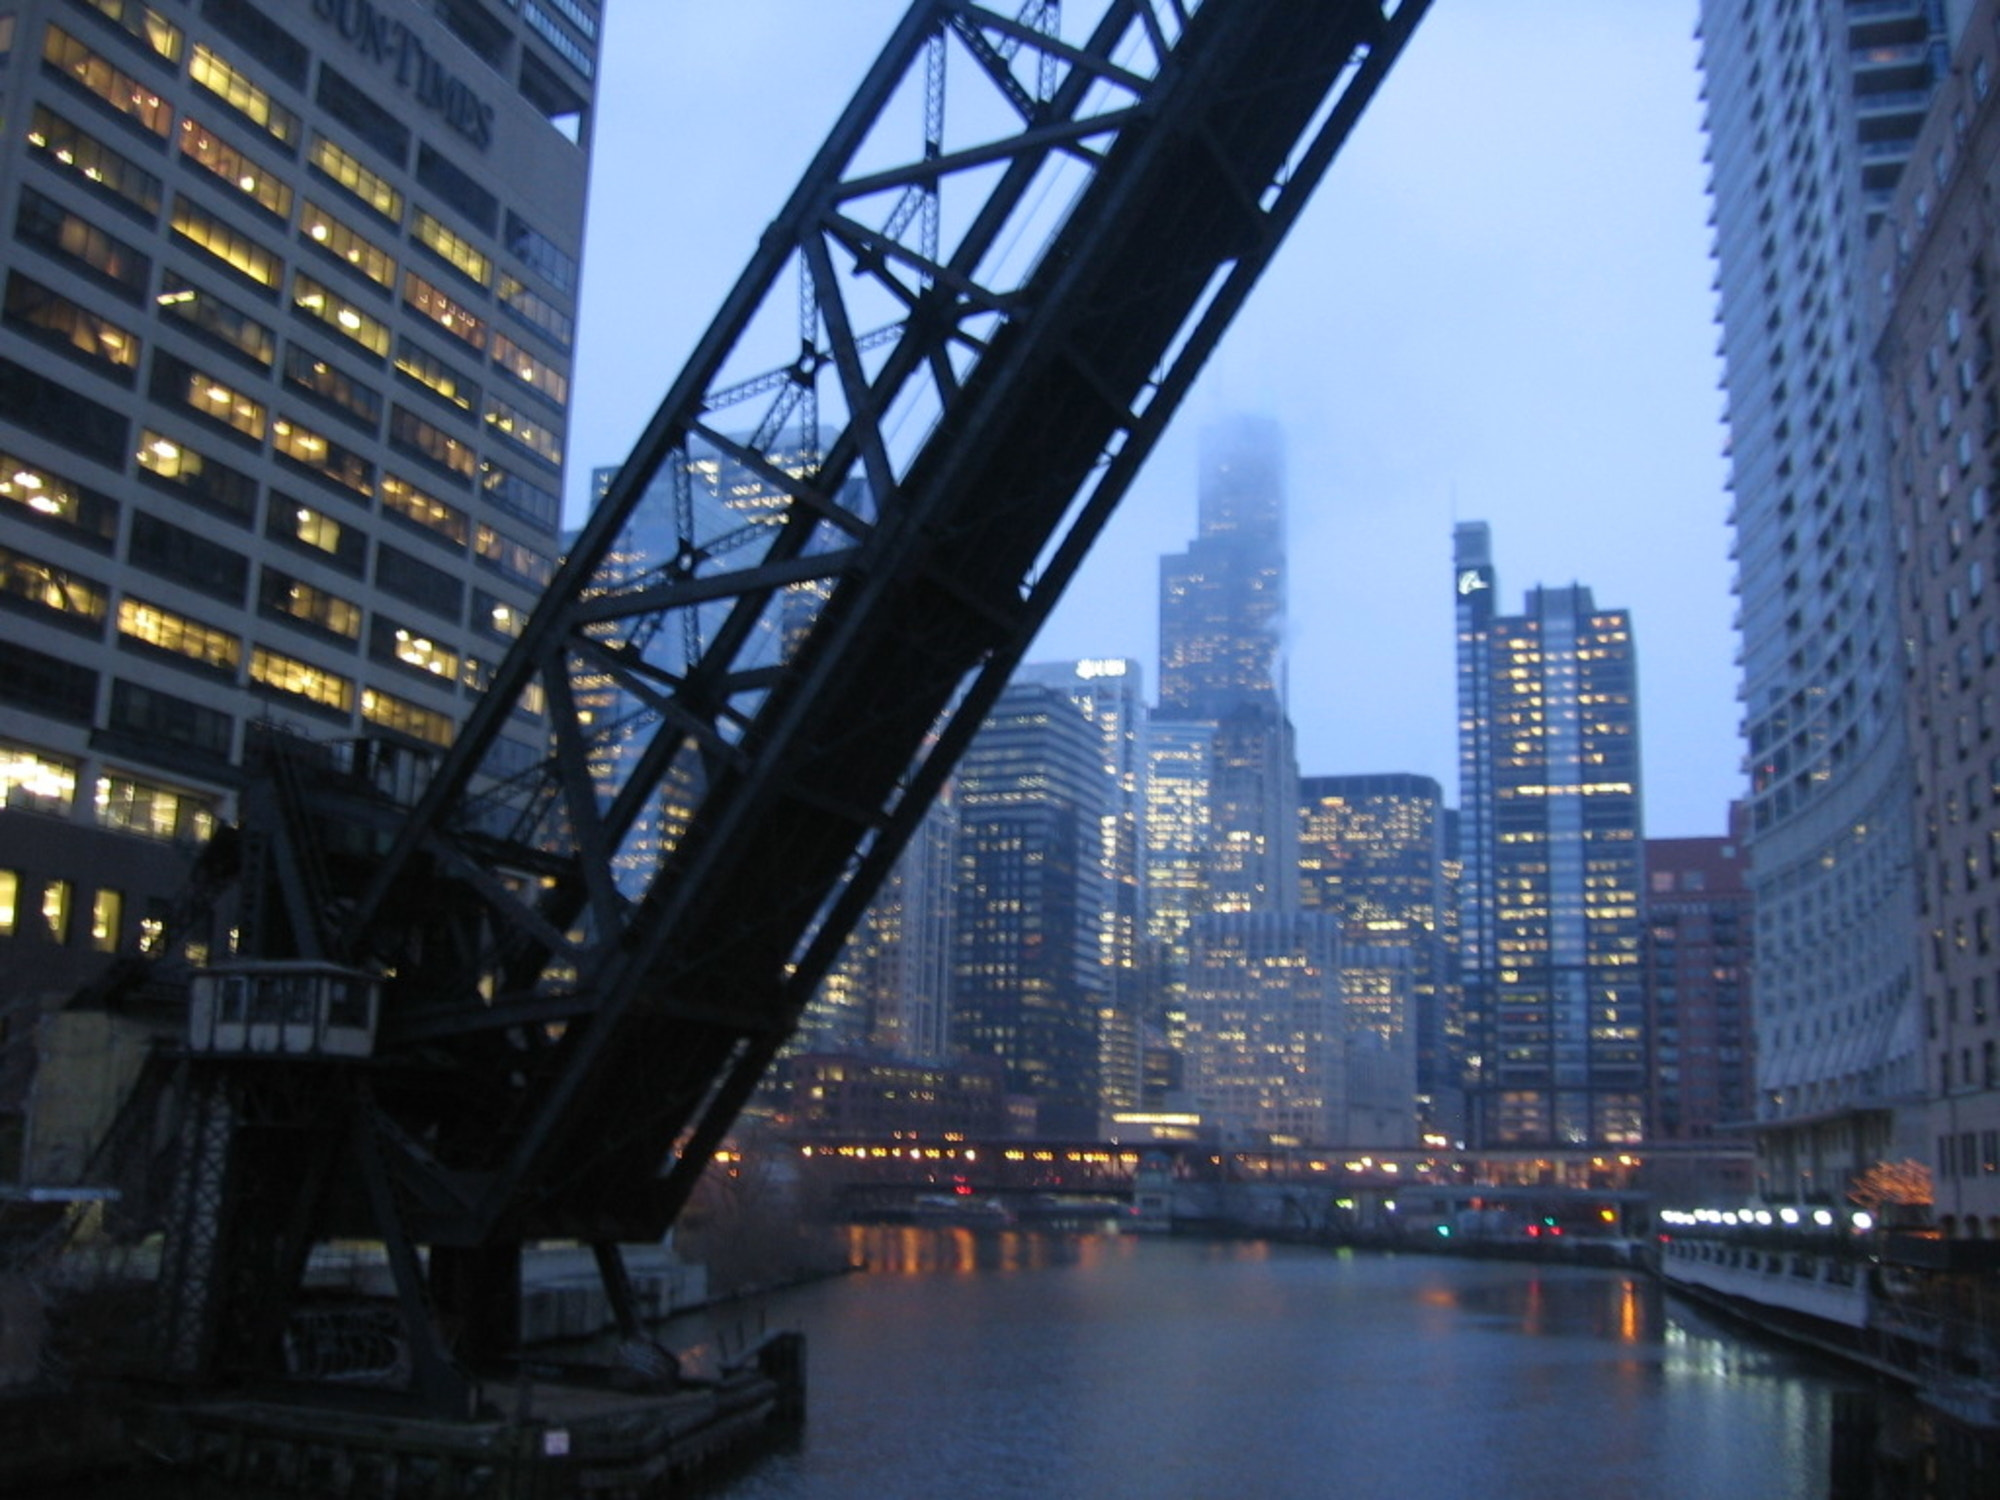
[943, 366]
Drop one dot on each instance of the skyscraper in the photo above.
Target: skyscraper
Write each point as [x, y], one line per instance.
[1222, 616]
[1549, 762]
[284, 365]
[1028, 978]
[1372, 852]
[1812, 109]
[1698, 987]
[1935, 258]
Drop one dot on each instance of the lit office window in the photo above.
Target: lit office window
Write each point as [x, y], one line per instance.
[43, 588]
[128, 805]
[444, 310]
[79, 155]
[33, 782]
[453, 249]
[80, 244]
[232, 87]
[348, 319]
[387, 711]
[166, 630]
[529, 433]
[58, 503]
[407, 503]
[234, 170]
[65, 55]
[300, 679]
[434, 375]
[286, 597]
[304, 529]
[175, 382]
[47, 316]
[369, 189]
[233, 249]
[324, 458]
[420, 439]
[144, 24]
[537, 374]
[107, 914]
[347, 244]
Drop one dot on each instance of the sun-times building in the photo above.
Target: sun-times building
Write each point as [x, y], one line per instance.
[285, 345]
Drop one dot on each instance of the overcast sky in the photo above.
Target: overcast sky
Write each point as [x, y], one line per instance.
[1497, 308]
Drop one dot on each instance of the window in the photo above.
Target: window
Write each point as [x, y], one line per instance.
[267, 39]
[164, 722]
[144, 25]
[57, 503]
[31, 781]
[323, 459]
[53, 593]
[453, 249]
[371, 190]
[495, 617]
[412, 649]
[81, 157]
[531, 434]
[107, 914]
[48, 317]
[534, 310]
[54, 905]
[403, 501]
[188, 558]
[117, 90]
[315, 533]
[515, 559]
[376, 126]
[173, 465]
[10, 902]
[265, 190]
[346, 245]
[315, 687]
[333, 388]
[47, 684]
[433, 589]
[128, 805]
[434, 376]
[445, 311]
[533, 372]
[176, 383]
[175, 635]
[387, 711]
[213, 73]
[82, 246]
[281, 596]
[54, 411]
[347, 319]
[541, 254]
[567, 47]
[430, 444]
[216, 322]
[459, 188]
[536, 504]
[231, 248]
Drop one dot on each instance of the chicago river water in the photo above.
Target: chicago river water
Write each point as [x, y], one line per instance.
[972, 1364]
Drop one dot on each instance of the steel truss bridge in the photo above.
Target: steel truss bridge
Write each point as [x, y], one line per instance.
[450, 1028]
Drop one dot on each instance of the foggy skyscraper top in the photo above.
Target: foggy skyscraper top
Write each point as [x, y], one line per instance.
[1222, 602]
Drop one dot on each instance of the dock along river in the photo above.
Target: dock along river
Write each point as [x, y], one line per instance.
[969, 1364]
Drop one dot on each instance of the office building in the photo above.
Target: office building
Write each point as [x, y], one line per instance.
[1222, 619]
[284, 365]
[1550, 799]
[1110, 693]
[1812, 110]
[1267, 1028]
[1698, 987]
[1934, 261]
[1372, 852]
[1028, 978]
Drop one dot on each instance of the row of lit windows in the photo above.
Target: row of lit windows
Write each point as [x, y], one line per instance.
[45, 908]
[33, 780]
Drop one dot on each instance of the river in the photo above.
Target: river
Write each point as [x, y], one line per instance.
[974, 1364]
